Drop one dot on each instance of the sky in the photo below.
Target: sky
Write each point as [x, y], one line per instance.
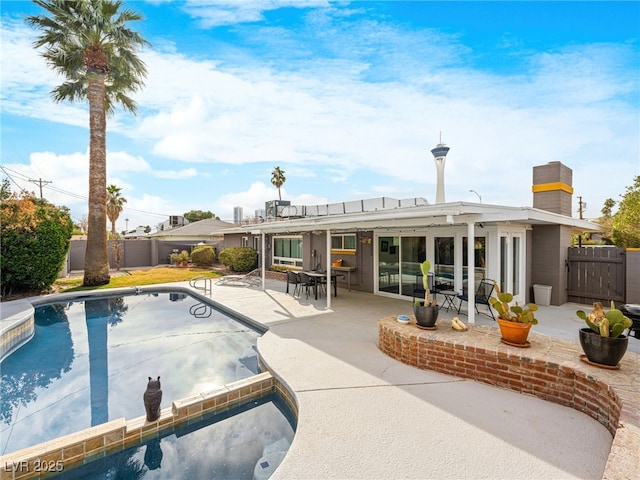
[348, 98]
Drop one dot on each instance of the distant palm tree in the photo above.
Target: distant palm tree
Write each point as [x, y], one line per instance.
[278, 179]
[89, 44]
[115, 205]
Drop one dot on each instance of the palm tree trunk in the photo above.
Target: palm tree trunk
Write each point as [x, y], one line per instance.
[96, 259]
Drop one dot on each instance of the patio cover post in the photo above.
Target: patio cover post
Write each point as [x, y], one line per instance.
[471, 271]
[328, 269]
[263, 261]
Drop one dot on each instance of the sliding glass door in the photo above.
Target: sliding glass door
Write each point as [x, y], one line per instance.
[399, 261]
[511, 265]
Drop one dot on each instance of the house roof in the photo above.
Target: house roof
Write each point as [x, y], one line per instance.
[421, 216]
[209, 227]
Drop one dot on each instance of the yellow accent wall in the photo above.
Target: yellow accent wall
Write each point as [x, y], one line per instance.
[553, 186]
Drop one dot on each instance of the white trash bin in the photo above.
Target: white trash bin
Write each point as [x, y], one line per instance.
[542, 294]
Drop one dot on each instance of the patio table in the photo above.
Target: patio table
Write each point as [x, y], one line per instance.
[317, 276]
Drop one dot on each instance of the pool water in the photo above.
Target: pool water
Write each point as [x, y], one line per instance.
[239, 444]
[90, 360]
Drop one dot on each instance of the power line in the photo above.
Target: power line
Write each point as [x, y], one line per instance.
[71, 194]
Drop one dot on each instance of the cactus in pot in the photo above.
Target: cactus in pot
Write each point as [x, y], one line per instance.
[607, 324]
[602, 341]
[424, 268]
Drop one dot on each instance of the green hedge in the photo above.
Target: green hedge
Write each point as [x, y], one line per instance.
[35, 242]
[239, 259]
[203, 255]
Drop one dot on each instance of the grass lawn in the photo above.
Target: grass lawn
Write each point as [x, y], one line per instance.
[136, 278]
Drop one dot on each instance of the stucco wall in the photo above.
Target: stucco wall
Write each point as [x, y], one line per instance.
[549, 256]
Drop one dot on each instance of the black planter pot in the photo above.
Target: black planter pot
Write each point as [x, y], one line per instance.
[426, 316]
[603, 350]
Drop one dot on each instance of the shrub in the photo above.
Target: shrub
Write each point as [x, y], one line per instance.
[239, 259]
[203, 255]
[35, 242]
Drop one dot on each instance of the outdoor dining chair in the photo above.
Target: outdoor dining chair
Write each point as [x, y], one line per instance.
[482, 296]
[306, 282]
[293, 279]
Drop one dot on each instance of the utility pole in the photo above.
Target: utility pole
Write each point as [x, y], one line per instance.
[581, 206]
[40, 182]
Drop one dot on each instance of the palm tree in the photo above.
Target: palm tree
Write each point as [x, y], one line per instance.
[115, 204]
[90, 45]
[278, 179]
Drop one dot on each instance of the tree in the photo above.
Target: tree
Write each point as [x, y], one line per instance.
[626, 221]
[115, 204]
[5, 189]
[278, 179]
[35, 240]
[90, 45]
[195, 215]
[606, 220]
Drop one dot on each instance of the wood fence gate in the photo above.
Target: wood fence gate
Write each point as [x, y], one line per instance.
[596, 274]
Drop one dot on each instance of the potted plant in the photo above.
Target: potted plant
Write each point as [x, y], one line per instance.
[514, 321]
[602, 341]
[182, 258]
[426, 312]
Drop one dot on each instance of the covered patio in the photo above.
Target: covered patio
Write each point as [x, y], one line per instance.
[392, 239]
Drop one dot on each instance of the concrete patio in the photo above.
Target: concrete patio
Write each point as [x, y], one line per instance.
[365, 415]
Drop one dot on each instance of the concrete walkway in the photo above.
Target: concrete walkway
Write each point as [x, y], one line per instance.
[363, 415]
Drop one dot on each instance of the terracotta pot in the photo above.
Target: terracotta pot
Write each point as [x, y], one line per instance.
[426, 316]
[603, 350]
[514, 332]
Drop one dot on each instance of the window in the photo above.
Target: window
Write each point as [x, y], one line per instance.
[245, 241]
[287, 251]
[344, 242]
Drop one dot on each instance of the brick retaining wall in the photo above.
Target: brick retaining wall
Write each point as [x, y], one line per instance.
[550, 369]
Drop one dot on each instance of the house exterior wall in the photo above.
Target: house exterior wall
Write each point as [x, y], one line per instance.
[549, 245]
[633, 275]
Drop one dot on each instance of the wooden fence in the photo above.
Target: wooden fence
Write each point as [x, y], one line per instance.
[596, 274]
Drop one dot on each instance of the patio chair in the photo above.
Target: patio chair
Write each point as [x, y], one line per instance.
[306, 282]
[482, 296]
[293, 279]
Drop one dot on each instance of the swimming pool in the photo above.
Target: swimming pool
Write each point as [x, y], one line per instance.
[246, 442]
[90, 358]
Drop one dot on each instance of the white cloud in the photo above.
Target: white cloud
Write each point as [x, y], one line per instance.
[214, 13]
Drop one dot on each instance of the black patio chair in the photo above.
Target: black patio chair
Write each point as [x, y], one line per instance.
[306, 282]
[482, 296]
[293, 279]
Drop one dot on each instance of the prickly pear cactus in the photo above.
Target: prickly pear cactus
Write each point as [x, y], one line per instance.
[608, 324]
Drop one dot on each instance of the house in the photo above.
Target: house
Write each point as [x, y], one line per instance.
[207, 231]
[382, 241]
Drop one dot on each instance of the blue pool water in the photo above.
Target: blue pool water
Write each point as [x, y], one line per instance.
[244, 443]
[89, 361]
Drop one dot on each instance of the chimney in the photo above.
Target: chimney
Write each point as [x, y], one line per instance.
[440, 156]
[552, 188]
